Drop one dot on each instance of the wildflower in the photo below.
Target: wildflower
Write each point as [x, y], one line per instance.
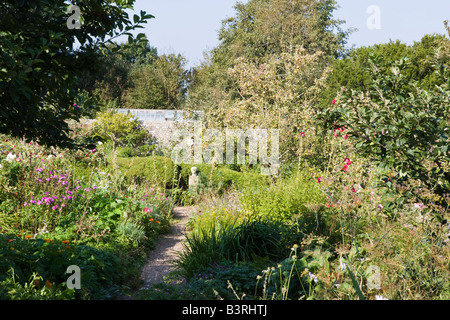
[313, 277]
[345, 168]
[342, 266]
[347, 161]
[333, 102]
[27, 237]
[65, 241]
[25, 204]
[157, 221]
[377, 297]
[353, 190]
[419, 206]
[48, 284]
[380, 207]
[330, 205]
[47, 240]
[337, 285]
[147, 210]
[302, 134]
[345, 136]
[151, 219]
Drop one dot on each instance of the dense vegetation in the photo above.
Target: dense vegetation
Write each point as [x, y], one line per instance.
[363, 185]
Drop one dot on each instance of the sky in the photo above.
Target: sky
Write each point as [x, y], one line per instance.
[190, 27]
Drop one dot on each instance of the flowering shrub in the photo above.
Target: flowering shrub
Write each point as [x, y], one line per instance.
[403, 128]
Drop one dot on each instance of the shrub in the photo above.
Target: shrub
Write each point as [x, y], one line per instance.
[122, 129]
[157, 170]
[400, 126]
[221, 178]
[245, 242]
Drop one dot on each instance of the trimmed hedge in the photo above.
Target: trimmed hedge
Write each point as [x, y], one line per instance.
[222, 177]
[157, 170]
[162, 172]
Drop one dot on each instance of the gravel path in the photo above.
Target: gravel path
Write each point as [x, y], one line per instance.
[159, 262]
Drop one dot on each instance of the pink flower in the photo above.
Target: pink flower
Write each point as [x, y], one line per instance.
[345, 168]
[380, 207]
[333, 102]
[319, 179]
[330, 205]
[347, 161]
[147, 210]
[302, 134]
[345, 136]
[353, 190]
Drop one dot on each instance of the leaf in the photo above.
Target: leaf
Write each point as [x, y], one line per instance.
[355, 284]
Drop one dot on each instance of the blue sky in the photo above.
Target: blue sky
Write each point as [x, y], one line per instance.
[190, 27]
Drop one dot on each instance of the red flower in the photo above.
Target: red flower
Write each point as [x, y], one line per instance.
[341, 129]
[345, 136]
[347, 161]
[319, 179]
[345, 168]
[330, 205]
[353, 190]
[333, 102]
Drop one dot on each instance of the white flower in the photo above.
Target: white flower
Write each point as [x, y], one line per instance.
[342, 266]
[313, 277]
[11, 157]
[377, 297]
[100, 143]
[50, 157]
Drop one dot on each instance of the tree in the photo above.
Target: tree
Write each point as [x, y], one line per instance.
[40, 65]
[111, 80]
[268, 68]
[161, 85]
[354, 70]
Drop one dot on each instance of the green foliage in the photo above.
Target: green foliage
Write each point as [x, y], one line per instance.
[220, 179]
[161, 85]
[400, 126]
[354, 71]
[282, 200]
[156, 170]
[122, 129]
[244, 241]
[40, 67]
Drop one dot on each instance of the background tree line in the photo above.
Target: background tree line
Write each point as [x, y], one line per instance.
[137, 77]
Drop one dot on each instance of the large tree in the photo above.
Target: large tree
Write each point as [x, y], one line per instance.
[159, 85]
[269, 67]
[43, 53]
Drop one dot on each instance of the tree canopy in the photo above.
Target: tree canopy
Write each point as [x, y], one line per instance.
[42, 60]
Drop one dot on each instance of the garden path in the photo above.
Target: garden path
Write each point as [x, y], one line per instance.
[160, 260]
